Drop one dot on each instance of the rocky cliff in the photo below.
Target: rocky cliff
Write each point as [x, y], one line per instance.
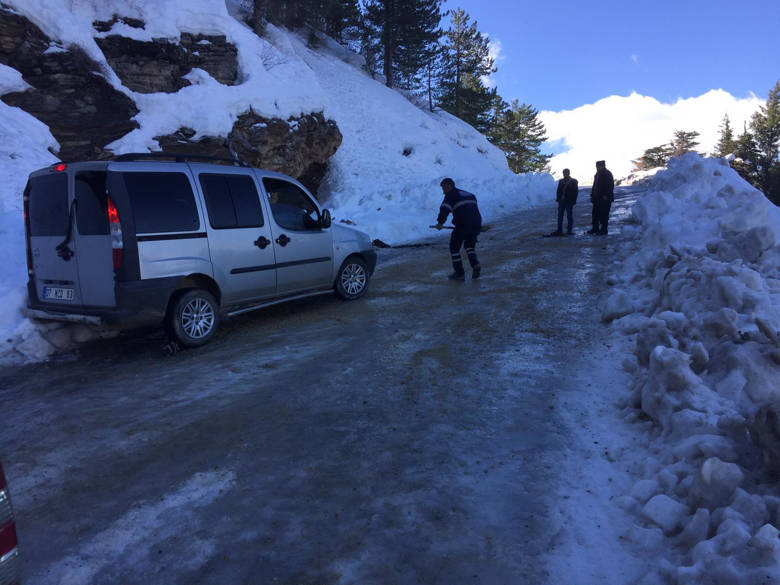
[70, 93]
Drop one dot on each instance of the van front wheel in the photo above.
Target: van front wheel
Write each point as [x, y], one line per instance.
[193, 318]
[352, 279]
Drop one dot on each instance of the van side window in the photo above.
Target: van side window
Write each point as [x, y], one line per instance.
[161, 202]
[91, 214]
[231, 201]
[291, 207]
[48, 205]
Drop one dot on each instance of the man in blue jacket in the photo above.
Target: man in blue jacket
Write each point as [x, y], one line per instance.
[468, 223]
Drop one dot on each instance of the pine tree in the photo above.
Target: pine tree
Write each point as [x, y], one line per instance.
[466, 61]
[765, 125]
[746, 155]
[517, 130]
[726, 143]
[654, 157]
[683, 142]
[430, 87]
[400, 32]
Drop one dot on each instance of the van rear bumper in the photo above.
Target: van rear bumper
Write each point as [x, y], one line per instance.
[138, 302]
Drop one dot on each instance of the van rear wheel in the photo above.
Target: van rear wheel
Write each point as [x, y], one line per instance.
[193, 318]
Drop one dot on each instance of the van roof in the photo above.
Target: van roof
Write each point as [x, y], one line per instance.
[128, 161]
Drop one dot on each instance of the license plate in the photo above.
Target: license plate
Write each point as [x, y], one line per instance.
[55, 293]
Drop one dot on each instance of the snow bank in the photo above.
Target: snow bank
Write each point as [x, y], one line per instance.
[384, 178]
[700, 295]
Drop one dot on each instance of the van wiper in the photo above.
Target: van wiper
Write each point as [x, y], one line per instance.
[63, 251]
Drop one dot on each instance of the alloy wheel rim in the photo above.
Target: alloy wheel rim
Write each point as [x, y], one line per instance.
[197, 318]
[353, 279]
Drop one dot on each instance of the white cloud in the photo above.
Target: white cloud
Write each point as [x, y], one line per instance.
[619, 129]
[495, 50]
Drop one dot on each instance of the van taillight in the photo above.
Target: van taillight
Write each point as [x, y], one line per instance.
[117, 243]
[8, 542]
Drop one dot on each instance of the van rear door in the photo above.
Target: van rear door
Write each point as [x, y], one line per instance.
[53, 267]
[70, 255]
[92, 239]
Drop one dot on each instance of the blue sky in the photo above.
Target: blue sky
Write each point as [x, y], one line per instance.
[559, 55]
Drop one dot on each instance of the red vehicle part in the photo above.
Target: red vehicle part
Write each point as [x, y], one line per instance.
[9, 551]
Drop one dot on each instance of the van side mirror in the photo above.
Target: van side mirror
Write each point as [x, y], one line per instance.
[325, 220]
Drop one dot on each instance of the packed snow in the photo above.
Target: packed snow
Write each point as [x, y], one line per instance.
[698, 297]
[384, 178]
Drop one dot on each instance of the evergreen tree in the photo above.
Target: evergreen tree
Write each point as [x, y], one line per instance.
[683, 142]
[765, 125]
[401, 32]
[746, 153]
[517, 130]
[431, 75]
[466, 61]
[726, 143]
[654, 157]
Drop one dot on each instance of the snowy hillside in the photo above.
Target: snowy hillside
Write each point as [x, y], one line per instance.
[384, 178]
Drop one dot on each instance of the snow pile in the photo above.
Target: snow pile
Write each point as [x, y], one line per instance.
[638, 177]
[700, 295]
[384, 179]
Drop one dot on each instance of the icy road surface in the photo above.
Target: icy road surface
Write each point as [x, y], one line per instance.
[424, 434]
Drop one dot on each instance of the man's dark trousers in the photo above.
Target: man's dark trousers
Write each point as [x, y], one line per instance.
[569, 209]
[603, 216]
[458, 238]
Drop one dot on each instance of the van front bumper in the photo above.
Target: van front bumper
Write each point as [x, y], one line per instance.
[370, 257]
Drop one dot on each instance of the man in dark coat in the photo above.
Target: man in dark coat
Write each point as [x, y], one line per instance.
[566, 196]
[602, 195]
[468, 223]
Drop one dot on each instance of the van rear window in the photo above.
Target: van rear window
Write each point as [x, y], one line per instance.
[231, 200]
[161, 202]
[91, 210]
[48, 205]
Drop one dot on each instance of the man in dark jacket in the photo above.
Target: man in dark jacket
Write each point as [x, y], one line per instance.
[566, 196]
[602, 195]
[468, 223]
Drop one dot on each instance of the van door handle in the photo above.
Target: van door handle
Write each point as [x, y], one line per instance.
[262, 242]
[282, 240]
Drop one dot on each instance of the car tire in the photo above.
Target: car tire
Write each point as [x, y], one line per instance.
[352, 279]
[193, 318]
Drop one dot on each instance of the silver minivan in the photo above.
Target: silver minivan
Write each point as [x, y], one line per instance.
[167, 238]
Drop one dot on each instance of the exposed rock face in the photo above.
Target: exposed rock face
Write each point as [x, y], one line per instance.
[160, 65]
[107, 25]
[214, 54]
[299, 147]
[85, 113]
[69, 93]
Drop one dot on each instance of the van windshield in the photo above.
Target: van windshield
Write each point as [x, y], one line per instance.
[48, 205]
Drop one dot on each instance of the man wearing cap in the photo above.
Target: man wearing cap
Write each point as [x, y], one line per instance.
[468, 223]
[602, 195]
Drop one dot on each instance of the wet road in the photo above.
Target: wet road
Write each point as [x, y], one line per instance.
[409, 437]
